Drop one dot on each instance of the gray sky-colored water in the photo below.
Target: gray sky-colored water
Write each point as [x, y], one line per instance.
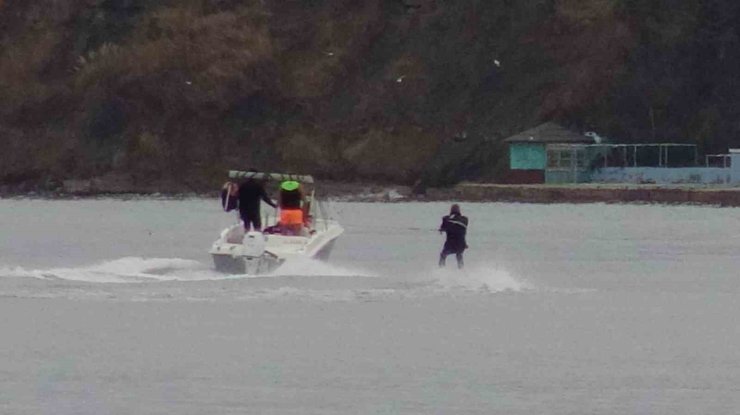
[111, 306]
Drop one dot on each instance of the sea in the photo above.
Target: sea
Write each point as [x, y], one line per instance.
[112, 306]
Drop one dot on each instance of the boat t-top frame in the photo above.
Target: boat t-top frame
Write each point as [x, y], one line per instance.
[238, 174]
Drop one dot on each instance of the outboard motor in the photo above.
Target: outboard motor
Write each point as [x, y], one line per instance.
[254, 244]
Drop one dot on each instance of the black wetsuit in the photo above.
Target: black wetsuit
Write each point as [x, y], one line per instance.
[455, 226]
[250, 194]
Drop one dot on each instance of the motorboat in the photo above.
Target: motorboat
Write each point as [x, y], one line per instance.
[238, 251]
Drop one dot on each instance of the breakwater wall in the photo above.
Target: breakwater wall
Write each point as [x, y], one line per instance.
[724, 196]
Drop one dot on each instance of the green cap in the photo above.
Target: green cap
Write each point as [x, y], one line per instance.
[289, 185]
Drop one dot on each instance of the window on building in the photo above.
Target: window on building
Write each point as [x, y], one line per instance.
[581, 158]
[566, 158]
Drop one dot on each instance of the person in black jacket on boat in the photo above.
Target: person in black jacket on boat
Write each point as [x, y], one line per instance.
[251, 192]
[455, 225]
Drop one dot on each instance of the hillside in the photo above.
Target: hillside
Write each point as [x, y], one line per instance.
[172, 91]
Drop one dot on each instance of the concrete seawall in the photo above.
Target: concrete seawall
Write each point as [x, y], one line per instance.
[725, 196]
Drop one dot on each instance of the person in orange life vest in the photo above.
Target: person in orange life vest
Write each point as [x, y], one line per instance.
[291, 212]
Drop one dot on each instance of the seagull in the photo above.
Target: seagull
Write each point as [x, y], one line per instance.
[189, 82]
[400, 78]
[496, 62]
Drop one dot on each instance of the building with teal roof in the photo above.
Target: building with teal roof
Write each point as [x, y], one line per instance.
[546, 154]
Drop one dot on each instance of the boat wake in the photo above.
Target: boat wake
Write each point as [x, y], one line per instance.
[480, 278]
[141, 270]
[305, 267]
[122, 270]
[166, 279]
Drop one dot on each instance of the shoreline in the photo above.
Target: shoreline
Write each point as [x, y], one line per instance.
[598, 193]
[464, 192]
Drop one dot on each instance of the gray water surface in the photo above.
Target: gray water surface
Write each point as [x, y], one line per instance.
[112, 307]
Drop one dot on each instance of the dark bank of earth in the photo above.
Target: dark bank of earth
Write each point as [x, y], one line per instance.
[173, 93]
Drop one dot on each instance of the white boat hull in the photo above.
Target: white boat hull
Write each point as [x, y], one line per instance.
[256, 253]
[244, 265]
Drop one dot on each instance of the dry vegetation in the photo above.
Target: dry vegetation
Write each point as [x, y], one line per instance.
[397, 90]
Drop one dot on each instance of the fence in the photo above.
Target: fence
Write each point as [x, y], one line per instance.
[664, 163]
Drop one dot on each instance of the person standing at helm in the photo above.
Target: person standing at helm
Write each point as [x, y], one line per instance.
[455, 225]
[291, 212]
[251, 192]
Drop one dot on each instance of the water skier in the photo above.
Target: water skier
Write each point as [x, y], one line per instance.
[455, 225]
